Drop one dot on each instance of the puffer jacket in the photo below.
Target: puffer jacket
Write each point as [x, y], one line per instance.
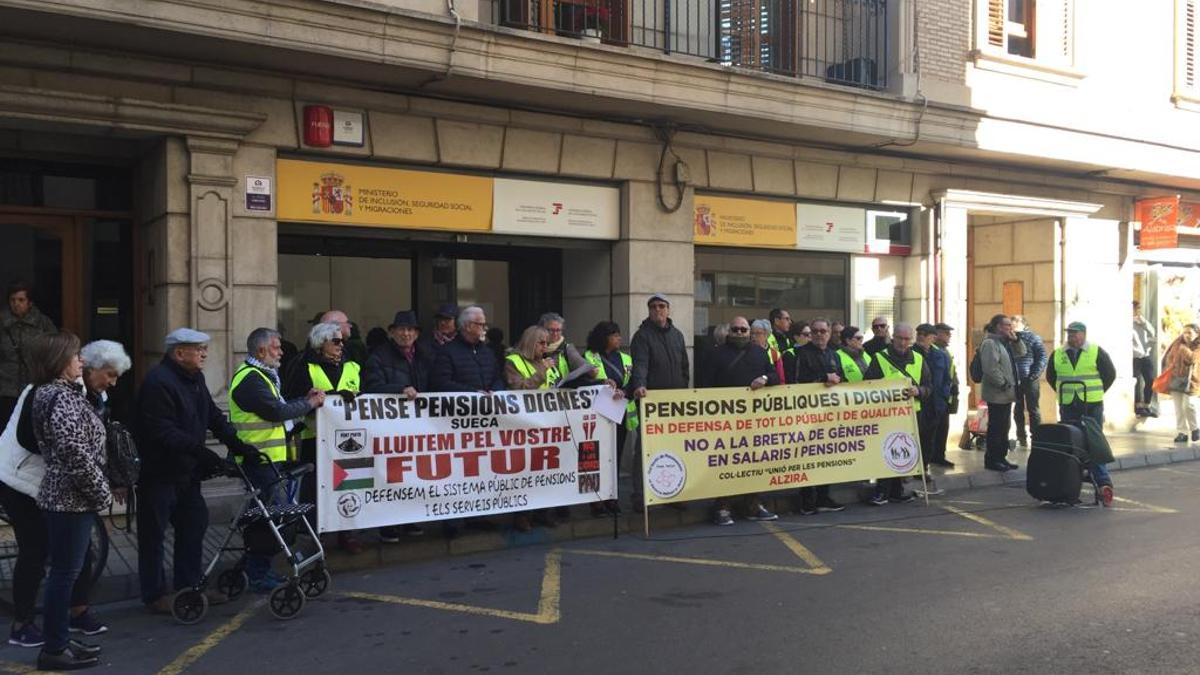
[21, 468]
[71, 438]
[660, 359]
[460, 366]
[15, 336]
[387, 371]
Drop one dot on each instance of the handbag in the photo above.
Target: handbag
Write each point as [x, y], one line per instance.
[1162, 383]
[123, 466]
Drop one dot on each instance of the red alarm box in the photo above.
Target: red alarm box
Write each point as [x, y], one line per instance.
[318, 126]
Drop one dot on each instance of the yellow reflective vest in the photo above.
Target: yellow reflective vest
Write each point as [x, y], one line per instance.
[911, 372]
[269, 437]
[631, 414]
[1081, 380]
[527, 369]
[850, 367]
[349, 381]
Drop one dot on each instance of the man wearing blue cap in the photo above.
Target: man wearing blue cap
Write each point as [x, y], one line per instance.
[175, 412]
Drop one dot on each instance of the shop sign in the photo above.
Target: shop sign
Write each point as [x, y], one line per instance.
[556, 209]
[831, 228]
[1158, 217]
[1189, 215]
[348, 194]
[732, 221]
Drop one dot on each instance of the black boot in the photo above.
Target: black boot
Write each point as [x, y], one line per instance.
[67, 659]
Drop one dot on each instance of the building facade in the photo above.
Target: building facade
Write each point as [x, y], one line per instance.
[230, 165]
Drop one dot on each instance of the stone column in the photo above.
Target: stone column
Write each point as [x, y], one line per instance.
[655, 254]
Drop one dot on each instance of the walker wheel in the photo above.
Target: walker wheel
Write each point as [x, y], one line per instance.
[287, 601]
[232, 582]
[315, 582]
[189, 606]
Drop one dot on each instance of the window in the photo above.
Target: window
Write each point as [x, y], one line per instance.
[1035, 33]
[1187, 84]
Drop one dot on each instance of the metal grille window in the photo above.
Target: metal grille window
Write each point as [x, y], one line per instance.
[839, 41]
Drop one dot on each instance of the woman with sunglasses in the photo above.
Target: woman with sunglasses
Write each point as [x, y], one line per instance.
[530, 366]
[853, 359]
[323, 368]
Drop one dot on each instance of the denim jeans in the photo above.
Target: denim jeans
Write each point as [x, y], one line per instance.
[261, 477]
[29, 527]
[1100, 473]
[68, 535]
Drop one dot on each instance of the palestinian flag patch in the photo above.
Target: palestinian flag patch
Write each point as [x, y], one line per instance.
[354, 474]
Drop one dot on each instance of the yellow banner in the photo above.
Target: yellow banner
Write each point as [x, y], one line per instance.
[730, 221]
[702, 444]
[348, 194]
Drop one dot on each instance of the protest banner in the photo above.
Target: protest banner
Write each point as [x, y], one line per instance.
[702, 444]
[384, 460]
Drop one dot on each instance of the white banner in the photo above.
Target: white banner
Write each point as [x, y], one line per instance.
[384, 460]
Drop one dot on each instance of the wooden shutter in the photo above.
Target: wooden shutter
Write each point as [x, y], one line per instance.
[997, 14]
[1055, 32]
[1189, 44]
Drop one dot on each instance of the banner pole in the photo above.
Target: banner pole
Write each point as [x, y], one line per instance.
[646, 519]
[921, 457]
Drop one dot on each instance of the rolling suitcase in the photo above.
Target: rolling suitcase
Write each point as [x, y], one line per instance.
[1056, 461]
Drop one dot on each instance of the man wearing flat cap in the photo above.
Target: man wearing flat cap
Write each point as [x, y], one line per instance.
[400, 365]
[660, 361]
[175, 412]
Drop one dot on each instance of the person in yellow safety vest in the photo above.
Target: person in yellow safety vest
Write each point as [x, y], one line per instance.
[853, 360]
[898, 361]
[1080, 374]
[262, 419]
[529, 366]
[567, 358]
[323, 368]
[779, 339]
[616, 367]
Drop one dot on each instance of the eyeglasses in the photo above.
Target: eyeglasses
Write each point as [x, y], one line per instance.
[553, 330]
[820, 330]
[877, 326]
[338, 341]
[806, 333]
[739, 329]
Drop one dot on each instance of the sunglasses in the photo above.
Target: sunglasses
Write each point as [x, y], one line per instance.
[878, 325]
[338, 341]
[806, 333]
[821, 330]
[739, 329]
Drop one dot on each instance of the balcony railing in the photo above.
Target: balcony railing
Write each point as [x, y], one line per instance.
[840, 41]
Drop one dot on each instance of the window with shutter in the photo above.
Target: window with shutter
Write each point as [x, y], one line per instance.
[1187, 79]
[1189, 44]
[1038, 33]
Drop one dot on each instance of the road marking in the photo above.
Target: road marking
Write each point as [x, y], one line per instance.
[794, 545]
[706, 562]
[919, 530]
[548, 603]
[17, 668]
[213, 639]
[1146, 507]
[1181, 472]
[976, 518]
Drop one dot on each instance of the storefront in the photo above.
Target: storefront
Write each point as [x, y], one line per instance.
[371, 240]
[837, 261]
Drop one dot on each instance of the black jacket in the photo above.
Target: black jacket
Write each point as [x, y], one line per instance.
[460, 366]
[875, 345]
[732, 366]
[660, 359]
[175, 411]
[388, 372]
[809, 363]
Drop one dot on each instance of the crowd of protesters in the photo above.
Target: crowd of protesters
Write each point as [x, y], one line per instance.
[52, 462]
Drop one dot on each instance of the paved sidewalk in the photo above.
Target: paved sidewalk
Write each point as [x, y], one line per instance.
[1132, 450]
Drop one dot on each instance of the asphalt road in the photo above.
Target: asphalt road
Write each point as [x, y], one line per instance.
[984, 581]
